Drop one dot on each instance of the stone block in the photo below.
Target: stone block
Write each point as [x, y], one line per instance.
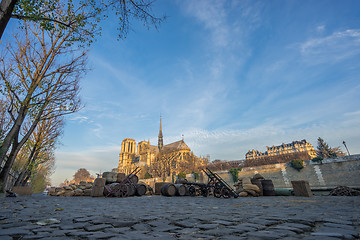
[301, 188]
[97, 191]
[110, 177]
[99, 182]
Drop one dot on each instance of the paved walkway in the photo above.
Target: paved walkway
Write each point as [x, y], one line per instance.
[156, 217]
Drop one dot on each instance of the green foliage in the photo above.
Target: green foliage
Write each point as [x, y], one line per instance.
[196, 176]
[234, 172]
[84, 16]
[147, 175]
[317, 159]
[182, 175]
[38, 183]
[298, 164]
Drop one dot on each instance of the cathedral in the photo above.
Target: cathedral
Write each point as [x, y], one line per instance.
[158, 161]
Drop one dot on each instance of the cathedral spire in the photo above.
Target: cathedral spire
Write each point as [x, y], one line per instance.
[160, 138]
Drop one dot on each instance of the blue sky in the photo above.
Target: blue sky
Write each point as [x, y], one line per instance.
[228, 75]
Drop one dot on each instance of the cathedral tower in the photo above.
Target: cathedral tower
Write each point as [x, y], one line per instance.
[160, 138]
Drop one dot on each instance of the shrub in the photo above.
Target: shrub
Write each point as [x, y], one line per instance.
[298, 164]
[196, 176]
[234, 172]
[317, 160]
[182, 175]
[147, 175]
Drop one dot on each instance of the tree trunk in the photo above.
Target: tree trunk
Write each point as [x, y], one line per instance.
[12, 134]
[6, 8]
[20, 178]
[16, 146]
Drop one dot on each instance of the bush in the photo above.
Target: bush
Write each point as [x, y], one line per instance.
[196, 176]
[181, 175]
[147, 175]
[317, 160]
[298, 164]
[234, 172]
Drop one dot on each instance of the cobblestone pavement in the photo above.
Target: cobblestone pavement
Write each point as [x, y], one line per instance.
[156, 217]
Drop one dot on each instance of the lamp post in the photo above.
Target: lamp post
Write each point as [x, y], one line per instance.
[346, 148]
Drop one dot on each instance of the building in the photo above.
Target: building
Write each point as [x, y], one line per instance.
[158, 161]
[295, 147]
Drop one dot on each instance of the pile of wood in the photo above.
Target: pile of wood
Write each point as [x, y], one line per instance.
[118, 185]
[254, 187]
[344, 191]
[81, 189]
[170, 189]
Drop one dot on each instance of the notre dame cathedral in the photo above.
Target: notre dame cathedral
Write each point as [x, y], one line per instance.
[158, 161]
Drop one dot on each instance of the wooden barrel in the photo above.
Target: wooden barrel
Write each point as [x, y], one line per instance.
[122, 191]
[257, 182]
[131, 189]
[141, 189]
[133, 178]
[109, 187]
[168, 190]
[180, 189]
[268, 187]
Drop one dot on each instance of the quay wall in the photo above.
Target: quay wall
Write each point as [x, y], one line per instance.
[344, 171]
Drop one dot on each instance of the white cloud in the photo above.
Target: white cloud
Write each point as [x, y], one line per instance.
[80, 119]
[333, 48]
[320, 28]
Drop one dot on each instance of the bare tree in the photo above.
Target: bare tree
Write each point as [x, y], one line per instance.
[40, 75]
[38, 149]
[81, 175]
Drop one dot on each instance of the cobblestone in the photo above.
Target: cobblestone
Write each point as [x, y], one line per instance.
[156, 217]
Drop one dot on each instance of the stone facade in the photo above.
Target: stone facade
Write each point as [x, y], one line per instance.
[160, 161]
[284, 149]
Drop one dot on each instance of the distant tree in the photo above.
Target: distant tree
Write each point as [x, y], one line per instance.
[325, 151]
[81, 175]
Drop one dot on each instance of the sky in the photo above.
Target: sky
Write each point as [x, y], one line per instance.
[227, 76]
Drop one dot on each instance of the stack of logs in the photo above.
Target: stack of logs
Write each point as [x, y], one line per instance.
[82, 189]
[344, 191]
[254, 187]
[170, 189]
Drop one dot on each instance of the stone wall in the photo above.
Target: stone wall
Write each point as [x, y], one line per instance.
[343, 171]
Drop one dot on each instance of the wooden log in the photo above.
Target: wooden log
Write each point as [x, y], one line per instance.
[131, 189]
[133, 178]
[168, 190]
[180, 189]
[141, 189]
